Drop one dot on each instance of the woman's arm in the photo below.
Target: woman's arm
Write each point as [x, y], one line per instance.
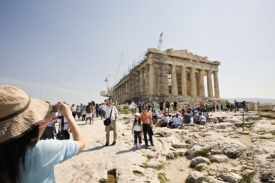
[77, 135]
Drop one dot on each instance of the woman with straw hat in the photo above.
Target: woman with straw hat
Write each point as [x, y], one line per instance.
[23, 157]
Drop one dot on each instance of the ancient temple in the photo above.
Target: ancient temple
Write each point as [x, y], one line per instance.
[169, 75]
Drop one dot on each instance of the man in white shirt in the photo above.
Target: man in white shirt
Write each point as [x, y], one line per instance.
[112, 113]
[177, 121]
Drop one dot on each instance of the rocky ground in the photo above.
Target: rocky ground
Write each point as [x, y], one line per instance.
[218, 152]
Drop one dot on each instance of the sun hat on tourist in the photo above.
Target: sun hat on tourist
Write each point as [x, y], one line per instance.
[19, 113]
[137, 114]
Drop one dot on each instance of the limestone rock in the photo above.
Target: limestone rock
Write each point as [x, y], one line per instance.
[201, 166]
[267, 136]
[180, 145]
[224, 125]
[191, 152]
[267, 172]
[230, 177]
[220, 158]
[198, 160]
[195, 177]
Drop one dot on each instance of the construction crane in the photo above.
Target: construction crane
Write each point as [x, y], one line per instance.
[109, 91]
[160, 41]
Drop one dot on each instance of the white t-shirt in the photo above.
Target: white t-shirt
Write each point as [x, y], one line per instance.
[177, 120]
[112, 109]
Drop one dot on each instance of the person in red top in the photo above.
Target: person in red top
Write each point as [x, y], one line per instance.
[147, 124]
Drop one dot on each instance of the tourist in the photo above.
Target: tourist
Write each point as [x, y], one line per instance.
[236, 106]
[89, 113]
[73, 109]
[49, 130]
[155, 105]
[93, 112]
[167, 106]
[25, 158]
[147, 125]
[78, 112]
[202, 119]
[206, 114]
[245, 107]
[111, 112]
[177, 121]
[155, 116]
[196, 117]
[137, 130]
[188, 117]
[166, 119]
[97, 110]
[83, 113]
[161, 106]
[133, 107]
[139, 106]
[175, 105]
[103, 110]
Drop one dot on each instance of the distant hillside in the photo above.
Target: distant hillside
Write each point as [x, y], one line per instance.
[261, 100]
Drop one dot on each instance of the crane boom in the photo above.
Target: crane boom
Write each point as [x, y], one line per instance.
[160, 41]
[119, 63]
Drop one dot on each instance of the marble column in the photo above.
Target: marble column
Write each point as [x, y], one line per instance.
[209, 83]
[216, 84]
[151, 79]
[183, 81]
[141, 81]
[137, 83]
[193, 82]
[174, 82]
[146, 87]
[201, 89]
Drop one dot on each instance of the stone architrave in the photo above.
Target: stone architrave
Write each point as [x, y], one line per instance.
[183, 81]
[216, 84]
[193, 82]
[202, 90]
[174, 83]
[209, 84]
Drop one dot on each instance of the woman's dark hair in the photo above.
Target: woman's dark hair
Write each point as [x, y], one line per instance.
[13, 153]
[139, 122]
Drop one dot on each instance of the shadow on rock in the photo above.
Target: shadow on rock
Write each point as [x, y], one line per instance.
[93, 149]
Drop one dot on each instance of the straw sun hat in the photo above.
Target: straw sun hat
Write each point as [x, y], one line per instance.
[19, 113]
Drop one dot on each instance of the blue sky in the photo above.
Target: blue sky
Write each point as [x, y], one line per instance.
[63, 50]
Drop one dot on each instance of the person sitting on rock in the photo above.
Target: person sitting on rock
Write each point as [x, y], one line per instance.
[177, 121]
[206, 114]
[188, 117]
[164, 121]
[196, 117]
[202, 119]
[155, 116]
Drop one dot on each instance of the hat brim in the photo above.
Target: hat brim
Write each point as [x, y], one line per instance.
[38, 112]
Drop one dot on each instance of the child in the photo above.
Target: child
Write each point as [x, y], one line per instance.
[137, 130]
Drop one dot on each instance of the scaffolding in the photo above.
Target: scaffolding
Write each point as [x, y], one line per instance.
[161, 75]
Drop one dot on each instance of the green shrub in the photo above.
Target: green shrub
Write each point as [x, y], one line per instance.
[249, 177]
[162, 177]
[203, 153]
[138, 173]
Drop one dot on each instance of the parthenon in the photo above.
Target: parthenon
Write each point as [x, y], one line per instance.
[169, 75]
